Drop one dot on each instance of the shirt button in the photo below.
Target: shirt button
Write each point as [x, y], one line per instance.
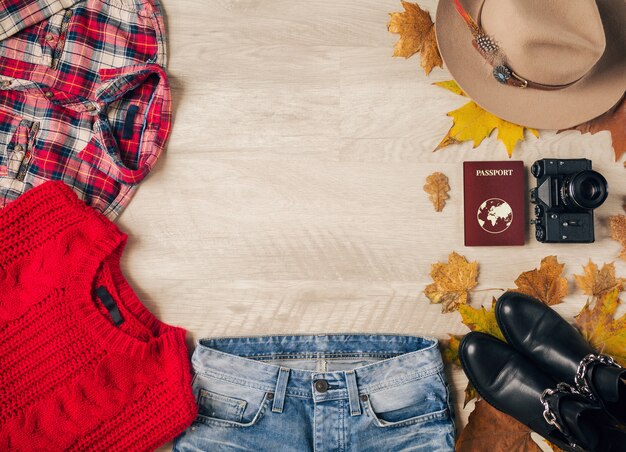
[49, 94]
[321, 385]
[18, 148]
[6, 83]
[91, 108]
[49, 37]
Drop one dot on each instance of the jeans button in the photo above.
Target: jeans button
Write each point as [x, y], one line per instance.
[321, 385]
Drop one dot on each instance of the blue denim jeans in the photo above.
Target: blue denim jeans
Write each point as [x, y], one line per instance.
[320, 393]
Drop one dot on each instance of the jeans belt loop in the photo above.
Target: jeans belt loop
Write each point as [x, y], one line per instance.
[353, 393]
[281, 389]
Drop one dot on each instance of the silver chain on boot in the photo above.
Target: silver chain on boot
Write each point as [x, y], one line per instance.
[550, 416]
[581, 379]
[582, 388]
[548, 413]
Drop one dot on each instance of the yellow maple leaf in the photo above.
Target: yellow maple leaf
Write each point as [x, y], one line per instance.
[546, 283]
[437, 188]
[599, 282]
[452, 282]
[473, 123]
[599, 326]
[481, 320]
[417, 34]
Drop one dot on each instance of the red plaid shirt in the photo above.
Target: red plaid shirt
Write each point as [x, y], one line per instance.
[83, 97]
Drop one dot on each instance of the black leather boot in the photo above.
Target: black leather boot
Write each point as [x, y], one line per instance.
[514, 385]
[542, 335]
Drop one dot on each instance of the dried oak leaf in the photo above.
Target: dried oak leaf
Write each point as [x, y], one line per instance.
[617, 226]
[508, 435]
[546, 283]
[437, 188]
[599, 326]
[452, 282]
[596, 282]
[612, 121]
[417, 34]
[472, 123]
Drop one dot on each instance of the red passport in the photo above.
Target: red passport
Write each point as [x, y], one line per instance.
[495, 203]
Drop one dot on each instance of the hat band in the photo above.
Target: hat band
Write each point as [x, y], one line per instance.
[491, 52]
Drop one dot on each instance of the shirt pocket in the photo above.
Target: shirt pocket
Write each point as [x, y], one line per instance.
[228, 405]
[411, 403]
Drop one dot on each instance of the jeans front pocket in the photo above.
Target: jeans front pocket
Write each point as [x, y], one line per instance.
[410, 403]
[225, 404]
[217, 406]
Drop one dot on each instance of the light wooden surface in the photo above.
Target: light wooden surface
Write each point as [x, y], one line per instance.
[290, 198]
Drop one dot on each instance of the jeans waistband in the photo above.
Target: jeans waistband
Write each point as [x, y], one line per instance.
[238, 360]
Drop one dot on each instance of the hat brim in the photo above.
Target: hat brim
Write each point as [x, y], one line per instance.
[588, 98]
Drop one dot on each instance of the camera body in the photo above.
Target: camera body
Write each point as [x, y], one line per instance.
[567, 192]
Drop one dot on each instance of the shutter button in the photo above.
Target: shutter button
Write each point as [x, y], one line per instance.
[321, 385]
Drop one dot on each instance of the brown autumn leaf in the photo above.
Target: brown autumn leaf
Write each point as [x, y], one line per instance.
[437, 188]
[599, 282]
[546, 283]
[617, 226]
[601, 329]
[452, 282]
[492, 430]
[417, 34]
[612, 121]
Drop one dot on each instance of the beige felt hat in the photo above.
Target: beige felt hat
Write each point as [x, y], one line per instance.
[549, 64]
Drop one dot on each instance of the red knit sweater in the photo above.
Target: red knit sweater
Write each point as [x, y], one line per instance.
[75, 375]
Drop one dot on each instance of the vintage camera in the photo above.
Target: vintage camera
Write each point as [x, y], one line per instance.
[567, 192]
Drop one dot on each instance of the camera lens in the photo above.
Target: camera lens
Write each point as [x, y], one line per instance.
[586, 190]
[536, 169]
